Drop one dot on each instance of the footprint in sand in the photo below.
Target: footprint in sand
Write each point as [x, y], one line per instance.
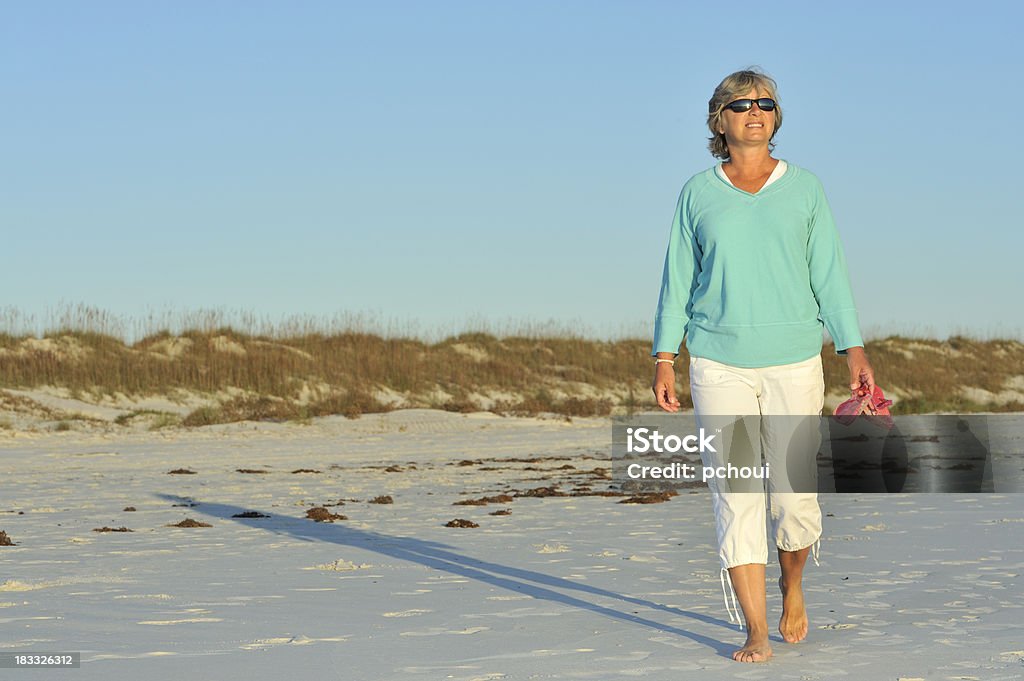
[190, 620]
[340, 565]
[551, 548]
[299, 640]
[509, 598]
[437, 631]
[840, 625]
[162, 597]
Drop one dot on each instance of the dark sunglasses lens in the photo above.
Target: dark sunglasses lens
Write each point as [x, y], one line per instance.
[740, 105]
[765, 104]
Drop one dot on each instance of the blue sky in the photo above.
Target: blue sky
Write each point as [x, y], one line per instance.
[451, 163]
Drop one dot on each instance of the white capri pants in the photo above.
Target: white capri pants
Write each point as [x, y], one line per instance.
[720, 393]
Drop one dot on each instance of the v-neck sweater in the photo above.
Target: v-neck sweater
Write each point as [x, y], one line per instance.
[750, 279]
[776, 173]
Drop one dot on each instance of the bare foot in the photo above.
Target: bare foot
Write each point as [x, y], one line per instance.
[793, 625]
[756, 649]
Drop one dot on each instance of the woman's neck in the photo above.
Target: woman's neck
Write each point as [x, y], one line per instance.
[750, 163]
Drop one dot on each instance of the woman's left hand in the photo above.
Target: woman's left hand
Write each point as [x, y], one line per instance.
[861, 372]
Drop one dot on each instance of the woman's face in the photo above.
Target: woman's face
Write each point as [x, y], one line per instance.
[751, 128]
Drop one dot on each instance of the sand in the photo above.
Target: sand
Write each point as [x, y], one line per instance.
[911, 586]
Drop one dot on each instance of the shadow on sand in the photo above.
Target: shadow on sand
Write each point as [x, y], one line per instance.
[444, 558]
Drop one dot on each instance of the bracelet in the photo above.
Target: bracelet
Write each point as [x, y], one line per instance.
[659, 361]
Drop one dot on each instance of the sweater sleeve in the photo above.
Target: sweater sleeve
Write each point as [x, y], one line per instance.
[830, 281]
[678, 282]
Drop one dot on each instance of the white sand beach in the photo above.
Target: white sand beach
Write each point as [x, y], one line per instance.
[910, 586]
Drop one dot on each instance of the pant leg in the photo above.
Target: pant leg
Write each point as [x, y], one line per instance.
[720, 393]
[789, 393]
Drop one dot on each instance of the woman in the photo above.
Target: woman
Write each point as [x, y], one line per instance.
[753, 272]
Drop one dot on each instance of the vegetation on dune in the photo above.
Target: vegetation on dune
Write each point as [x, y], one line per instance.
[297, 372]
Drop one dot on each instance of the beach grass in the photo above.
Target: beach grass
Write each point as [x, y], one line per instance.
[303, 369]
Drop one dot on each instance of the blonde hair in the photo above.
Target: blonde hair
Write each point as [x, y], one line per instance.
[733, 87]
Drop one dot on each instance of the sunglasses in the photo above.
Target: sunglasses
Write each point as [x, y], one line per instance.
[741, 105]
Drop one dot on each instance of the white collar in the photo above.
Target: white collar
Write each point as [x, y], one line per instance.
[780, 169]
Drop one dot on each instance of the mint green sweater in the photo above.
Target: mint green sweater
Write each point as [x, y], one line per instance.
[750, 279]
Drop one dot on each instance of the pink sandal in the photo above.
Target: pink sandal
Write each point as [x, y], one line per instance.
[874, 406]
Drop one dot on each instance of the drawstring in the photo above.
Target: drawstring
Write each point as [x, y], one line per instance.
[726, 591]
[724, 574]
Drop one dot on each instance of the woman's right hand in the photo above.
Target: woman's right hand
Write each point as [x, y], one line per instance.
[665, 387]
